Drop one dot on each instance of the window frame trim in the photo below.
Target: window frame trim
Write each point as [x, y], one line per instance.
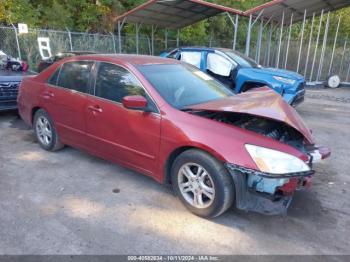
[68, 89]
[92, 83]
[115, 102]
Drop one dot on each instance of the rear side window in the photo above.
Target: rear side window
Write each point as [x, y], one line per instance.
[114, 82]
[75, 76]
[54, 77]
[193, 58]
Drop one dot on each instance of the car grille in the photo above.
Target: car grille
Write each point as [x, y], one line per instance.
[9, 90]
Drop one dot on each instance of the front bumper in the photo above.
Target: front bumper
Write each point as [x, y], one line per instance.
[296, 97]
[8, 105]
[8, 95]
[250, 198]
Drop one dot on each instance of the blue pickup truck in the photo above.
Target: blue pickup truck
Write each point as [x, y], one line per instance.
[240, 72]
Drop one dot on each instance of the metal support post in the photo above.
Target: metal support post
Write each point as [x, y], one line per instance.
[342, 57]
[235, 34]
[235, 28]
[319, 73]
[301, 41]
[265, 25]
[120, 28]
[334, 45]
[178, 38]
[258, 47]
[70, 39]
[17, 42]
[154, 29]
[309, 46]
[114, 47]
[317, 40]
[347, 74]
[268, 46]
[288, 41]
[247, 42]
[250, 26]
[166, 38]
[137, 27]
[280, 42]
[211, 39]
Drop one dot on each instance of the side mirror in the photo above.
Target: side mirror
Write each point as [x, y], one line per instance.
[135, 102]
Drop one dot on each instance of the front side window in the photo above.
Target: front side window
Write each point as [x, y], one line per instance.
[114, 82]
[183, 85]
[173, 54]
[242, 60]
[75, 76]
[193, 58]
[219, 65]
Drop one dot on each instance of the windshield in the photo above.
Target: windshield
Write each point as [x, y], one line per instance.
[242, 60]
[183, 85]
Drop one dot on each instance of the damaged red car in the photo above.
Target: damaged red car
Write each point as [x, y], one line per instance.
[178, 125]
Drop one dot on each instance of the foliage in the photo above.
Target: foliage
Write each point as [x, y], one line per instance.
[100, 16]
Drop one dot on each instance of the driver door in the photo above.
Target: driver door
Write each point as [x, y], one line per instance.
[221, 69]
[130, 137]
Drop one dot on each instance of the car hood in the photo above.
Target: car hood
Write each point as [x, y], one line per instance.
[278, 72]
[262, 102]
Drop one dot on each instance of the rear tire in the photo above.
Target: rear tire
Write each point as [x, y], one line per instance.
[45, 131]
[202, 183]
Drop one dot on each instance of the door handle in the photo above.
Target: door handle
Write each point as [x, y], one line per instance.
[47, 95]
[95, 109]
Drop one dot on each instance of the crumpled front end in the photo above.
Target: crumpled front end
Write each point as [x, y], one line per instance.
[278, 149]
[268, 193]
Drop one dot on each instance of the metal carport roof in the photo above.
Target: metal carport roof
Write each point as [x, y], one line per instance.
[174, 14]
[276, 8]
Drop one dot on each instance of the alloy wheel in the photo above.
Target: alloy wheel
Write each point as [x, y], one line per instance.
[44, 130]
[196, 185]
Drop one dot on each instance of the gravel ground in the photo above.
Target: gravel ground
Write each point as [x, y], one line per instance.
[63, 203]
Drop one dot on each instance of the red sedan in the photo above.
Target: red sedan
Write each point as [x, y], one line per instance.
[178, 125]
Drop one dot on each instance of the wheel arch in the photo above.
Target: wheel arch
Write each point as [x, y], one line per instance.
[34, 110]
[176, 152]
[249, 84]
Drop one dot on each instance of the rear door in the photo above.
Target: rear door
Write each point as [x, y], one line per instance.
[131, 137]
[65, 99]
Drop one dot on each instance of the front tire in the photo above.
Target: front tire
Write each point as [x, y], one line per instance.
[45, 131]
[202, 183]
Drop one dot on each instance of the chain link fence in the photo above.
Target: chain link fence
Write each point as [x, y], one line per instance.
[70, 41]
[76, 41]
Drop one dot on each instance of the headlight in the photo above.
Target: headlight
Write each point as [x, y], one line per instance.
[284, 80]
[275, 162]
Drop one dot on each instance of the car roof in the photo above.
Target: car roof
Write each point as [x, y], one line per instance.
[197, 48]
[131, 59]
[203, 48]
[77, 52]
